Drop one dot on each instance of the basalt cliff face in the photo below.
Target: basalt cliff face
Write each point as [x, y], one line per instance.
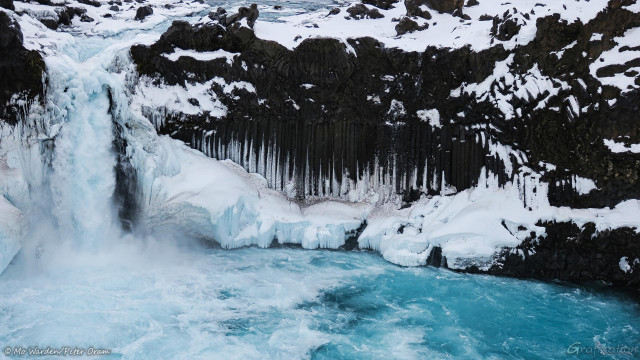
[331, 118]
[327, 111]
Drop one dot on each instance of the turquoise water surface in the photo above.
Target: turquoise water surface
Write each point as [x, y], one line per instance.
[161, 302]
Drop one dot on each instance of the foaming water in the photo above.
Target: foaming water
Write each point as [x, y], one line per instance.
[153, 300]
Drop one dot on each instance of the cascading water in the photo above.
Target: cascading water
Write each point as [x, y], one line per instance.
[83, 178]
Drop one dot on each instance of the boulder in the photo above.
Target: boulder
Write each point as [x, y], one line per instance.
[7, 4]
[10, 33]
[505, 29]
[359, 11]
[416, 8]
[406, 25]
[49, 22]
[90, 3]
[251, 14]
[219, 15]
[143, 12]
[68, 13]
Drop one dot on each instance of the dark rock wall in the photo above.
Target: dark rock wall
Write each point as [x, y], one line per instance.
[346, 129]
[577, 254]
[21, 72]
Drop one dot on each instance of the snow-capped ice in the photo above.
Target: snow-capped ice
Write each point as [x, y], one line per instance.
[219, 200]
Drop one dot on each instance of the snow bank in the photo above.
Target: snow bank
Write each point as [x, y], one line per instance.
[471, 226]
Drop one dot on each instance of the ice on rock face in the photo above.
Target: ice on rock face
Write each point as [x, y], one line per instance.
[220, 201]
[13, 228]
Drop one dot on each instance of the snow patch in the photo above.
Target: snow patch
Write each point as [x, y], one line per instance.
[432, 116]
[624, 264]
[176, 98]
[202, 56]
[583, 185]
[502, 87]
[614, 56]
[619, 147]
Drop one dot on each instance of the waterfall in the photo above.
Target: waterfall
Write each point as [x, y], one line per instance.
[83, 178]
[67, 160]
